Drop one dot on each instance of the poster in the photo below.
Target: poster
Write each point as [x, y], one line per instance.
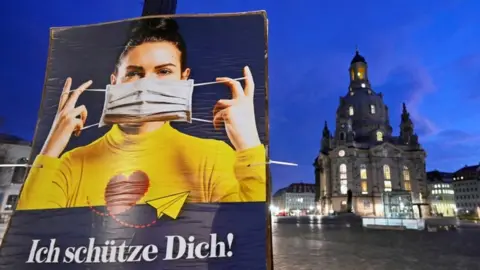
[150, 149]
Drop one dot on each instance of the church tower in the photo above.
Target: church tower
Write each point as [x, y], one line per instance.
[326, 137]
[407, 136]
[358, 72]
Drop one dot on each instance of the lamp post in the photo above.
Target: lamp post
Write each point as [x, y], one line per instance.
[373, 200]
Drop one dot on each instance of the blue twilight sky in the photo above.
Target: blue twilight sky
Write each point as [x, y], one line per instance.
[425, 53]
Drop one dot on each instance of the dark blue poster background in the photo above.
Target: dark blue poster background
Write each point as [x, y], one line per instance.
[73, 228]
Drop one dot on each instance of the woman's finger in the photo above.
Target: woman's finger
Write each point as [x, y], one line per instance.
[235, 86]
[219, 118]
[79, 111]
[78, 125]
[76, 93]
[65, 93]
[249, 82]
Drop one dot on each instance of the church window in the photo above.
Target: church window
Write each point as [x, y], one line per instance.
[342, 136]
[379, 136]
[387, 185]
[350, 110]
[361, 73]
[343, 179]
[363, 171]
[372, 109]
[352, 75]
[386, 172]
[364, 187]
[343, 172]
[406, 173]
[406, 179]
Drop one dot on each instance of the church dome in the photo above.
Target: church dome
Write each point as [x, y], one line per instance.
[358, 58]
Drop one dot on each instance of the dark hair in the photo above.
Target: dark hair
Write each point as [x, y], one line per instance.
[156, 30]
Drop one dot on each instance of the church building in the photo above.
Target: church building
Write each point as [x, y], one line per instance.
[362, 157]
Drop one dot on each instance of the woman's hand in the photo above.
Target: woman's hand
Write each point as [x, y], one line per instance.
[69, 119]
[238, 114]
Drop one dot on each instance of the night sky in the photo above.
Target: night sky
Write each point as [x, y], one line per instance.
[424, 53]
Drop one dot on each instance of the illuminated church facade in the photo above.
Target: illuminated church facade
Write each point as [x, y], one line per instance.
[362, 156]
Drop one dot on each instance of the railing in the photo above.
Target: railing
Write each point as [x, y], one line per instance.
[410, 224]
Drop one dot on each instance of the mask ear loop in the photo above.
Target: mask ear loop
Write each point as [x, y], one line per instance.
[193, 118]
[283, 163]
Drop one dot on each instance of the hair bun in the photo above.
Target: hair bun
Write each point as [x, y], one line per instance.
[155, 25]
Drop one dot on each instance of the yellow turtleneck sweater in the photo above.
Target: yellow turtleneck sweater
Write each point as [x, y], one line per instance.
[174, 162]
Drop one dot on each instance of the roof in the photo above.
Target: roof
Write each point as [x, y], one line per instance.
[12, 139]
[297, 188]
[358, 58]
[468, 169]
[435, 176]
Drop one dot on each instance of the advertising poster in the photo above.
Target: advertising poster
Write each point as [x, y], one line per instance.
[150, 150]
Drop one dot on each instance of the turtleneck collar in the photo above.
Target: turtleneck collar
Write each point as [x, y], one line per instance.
[121, 141]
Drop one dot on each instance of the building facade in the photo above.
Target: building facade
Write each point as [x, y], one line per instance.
[466, 185]
[13, 150]
[441, 194]
[362, 155]
[298, 198]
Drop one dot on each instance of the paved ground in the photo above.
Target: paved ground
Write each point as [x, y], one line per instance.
[313, 247]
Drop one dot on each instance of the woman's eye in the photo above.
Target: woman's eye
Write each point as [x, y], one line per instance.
[164, 71]
[132, 74]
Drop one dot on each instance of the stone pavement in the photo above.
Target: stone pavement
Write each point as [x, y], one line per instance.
[313, 247]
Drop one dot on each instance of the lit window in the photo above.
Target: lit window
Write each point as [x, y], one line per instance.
[364, 187]
[386, 172]
[343, 179]
[343, 186]
[343, 172]
[406, 173]
[387, 185]
[352, 75]
[361, 73]
[372, 109]
[379, 136]
[408, 187]
[363, 171]
[350, 110]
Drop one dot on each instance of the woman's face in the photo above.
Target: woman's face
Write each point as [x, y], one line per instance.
[151, 59]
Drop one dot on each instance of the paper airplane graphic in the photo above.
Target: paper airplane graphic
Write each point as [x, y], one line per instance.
[170, 205]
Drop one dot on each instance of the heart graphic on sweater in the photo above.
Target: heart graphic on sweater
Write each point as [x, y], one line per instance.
[123, 192]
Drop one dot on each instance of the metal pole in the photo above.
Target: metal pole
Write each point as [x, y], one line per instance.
[159, 7]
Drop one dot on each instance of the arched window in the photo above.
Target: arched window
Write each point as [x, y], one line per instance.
[386, 172]
[343, 171]
[361, 73]
[363, 171]
[342, 136]
[343, 179]
[19, 173]
[379, 136]
[406, 173]
[372, 109]
[387, 183]
[350, 111]
[352, 75]
[406, 178]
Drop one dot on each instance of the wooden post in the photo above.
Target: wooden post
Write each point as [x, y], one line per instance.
[159, 7]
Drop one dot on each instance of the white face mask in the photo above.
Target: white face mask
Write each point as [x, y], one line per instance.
[147, 100]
